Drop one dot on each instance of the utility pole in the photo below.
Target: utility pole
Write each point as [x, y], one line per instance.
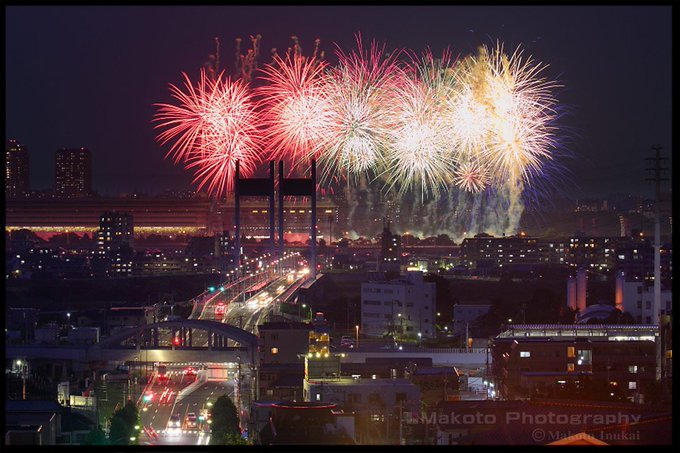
[657, 169]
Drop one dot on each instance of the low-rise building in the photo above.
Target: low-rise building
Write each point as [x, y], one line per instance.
[401, 307]
[281, 381]
[283, 342]
[384, 396]
[123, 317]
[637, 298]
[546, 359]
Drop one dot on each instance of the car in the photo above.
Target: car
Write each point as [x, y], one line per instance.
[191, 419]
[346, 342]
[190, 372]
[175, 421]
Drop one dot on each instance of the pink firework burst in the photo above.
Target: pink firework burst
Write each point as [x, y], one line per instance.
[471, 176]
[296, 106]
[214, 125]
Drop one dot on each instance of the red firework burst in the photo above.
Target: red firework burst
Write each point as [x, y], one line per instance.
[296, 106]
[213, 126]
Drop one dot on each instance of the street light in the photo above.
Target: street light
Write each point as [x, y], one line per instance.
[401, 326]
[68, 315]
[357, 328]
[22, 370]
[420, 336]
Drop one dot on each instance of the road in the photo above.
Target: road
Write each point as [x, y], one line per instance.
[253, 311]
[156, 414]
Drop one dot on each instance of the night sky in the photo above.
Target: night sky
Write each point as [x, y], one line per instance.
[89, 76]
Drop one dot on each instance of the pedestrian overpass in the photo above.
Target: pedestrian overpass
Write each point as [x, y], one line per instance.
[190, 340]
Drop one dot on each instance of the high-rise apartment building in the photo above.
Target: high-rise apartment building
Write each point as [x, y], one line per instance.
[115, 229]
[390, 250]
[73, 172]
[17, 182]
[114, 243]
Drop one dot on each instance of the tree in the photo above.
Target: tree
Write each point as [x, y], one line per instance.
[444, 239]
[123, 422]
[119, 433]
[96, 437]
[225, 421]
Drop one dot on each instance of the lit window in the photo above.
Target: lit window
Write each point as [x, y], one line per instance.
[632, 385]
[318, 396]
[571, 351]
[524, 353]
[570, 367]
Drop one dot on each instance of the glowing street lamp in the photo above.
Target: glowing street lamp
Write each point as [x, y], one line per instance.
[357, 329]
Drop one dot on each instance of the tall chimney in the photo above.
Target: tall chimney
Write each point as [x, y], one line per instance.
[571, 293]
[581, 290]
[618, 295]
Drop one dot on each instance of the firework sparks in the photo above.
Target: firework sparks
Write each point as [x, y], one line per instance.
[297, 107]
[422, 126]
[470, 176]
[421, 153]
[361, 89]
[517, 106]
[214, 125]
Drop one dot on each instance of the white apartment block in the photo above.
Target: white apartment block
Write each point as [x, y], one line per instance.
[637, 298]
[401, 307]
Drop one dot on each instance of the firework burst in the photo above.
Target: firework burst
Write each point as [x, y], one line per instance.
[298, 111]
[519, 108]
[361, 91]
[471, 176]
[484, 124]
[421, 155]
[214, 126]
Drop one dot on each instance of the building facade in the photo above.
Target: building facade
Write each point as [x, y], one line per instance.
[17, 182]
[115, 229]
[199, 215]
[73, 172]
[283, 342]
[637, 298]
[403, 307]
[486, 251]
[390, 250]
[541, 359]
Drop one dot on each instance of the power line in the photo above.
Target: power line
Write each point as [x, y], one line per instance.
[657, 179]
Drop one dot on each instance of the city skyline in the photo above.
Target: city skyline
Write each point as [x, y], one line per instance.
[133, 70]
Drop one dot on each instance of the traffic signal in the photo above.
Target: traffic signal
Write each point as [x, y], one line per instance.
[211, 289]
[176, 341]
